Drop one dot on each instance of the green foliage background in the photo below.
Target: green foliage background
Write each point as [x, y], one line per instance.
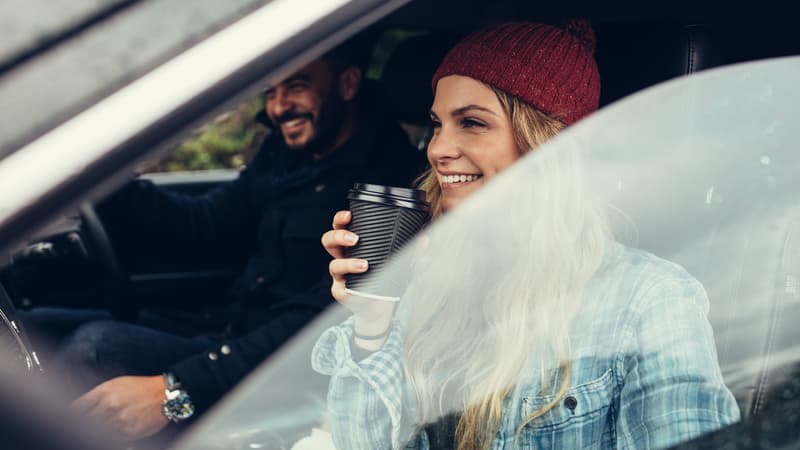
[227, 142]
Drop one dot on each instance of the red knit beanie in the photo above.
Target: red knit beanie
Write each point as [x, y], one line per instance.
[551, 68]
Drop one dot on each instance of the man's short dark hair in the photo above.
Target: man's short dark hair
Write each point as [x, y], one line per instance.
[356, 51]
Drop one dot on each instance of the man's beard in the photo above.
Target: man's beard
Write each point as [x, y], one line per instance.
[324, 130]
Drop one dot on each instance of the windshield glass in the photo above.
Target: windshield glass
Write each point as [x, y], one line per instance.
[647, 258]
[83, 53]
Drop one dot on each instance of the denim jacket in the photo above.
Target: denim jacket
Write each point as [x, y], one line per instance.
[644, 372]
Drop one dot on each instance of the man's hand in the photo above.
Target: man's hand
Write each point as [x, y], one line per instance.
[127, 405]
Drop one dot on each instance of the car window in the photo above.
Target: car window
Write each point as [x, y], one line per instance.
[695, 180]
[56, 72]
[41, 92]
[243, 66]
[28, 26]
[228, 141]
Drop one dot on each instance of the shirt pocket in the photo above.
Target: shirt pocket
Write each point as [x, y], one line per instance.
[580, 419]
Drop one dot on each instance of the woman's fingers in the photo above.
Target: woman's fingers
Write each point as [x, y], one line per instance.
[341, 219]
[335, 241]
[341, 267]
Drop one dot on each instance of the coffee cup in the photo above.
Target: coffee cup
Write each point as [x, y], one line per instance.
[385, 218]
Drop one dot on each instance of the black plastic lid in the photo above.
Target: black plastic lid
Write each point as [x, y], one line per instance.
[389, 195]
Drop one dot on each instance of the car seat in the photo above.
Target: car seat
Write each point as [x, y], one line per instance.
[634, 56]
[407, 78]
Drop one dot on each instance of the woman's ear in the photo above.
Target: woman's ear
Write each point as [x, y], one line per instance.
[349, 83]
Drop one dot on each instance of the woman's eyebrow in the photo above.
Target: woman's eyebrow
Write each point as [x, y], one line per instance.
[465, 109]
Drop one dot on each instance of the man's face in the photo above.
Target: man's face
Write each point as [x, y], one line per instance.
[306, 107]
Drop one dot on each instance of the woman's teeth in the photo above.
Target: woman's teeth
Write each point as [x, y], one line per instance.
[459, 178]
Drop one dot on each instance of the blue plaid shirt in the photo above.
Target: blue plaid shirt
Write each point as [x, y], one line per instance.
[644, 372]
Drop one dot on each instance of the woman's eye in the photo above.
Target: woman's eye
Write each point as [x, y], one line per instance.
[471, 123]
[436, 124]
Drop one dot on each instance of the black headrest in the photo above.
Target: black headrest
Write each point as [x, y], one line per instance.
[633, 56]
[757, 40]
[408, 72]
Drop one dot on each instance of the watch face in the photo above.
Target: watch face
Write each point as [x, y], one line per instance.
[178, 406]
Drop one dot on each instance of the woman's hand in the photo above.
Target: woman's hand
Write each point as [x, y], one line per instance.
[336, 241]
[372, 317]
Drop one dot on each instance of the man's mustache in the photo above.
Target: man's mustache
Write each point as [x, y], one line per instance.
[292, 116]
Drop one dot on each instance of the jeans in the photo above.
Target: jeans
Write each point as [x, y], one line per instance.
[81, 348]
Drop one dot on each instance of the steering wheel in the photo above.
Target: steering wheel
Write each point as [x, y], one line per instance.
[116, 290]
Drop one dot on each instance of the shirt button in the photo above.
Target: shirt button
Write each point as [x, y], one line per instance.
[319, 188]
[225, 350]
[260, 280]
[571, 403]
[212, 356]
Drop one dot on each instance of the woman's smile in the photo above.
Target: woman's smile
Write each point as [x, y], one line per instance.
[452, 181]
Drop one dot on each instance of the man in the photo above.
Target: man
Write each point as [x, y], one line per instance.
[326, 136]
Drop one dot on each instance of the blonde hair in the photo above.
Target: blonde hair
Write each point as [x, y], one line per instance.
[451, 352]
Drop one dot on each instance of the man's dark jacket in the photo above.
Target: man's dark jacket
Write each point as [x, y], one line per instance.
[275, 212]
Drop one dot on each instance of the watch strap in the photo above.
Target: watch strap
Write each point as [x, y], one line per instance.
[177, 405]
[171, 382]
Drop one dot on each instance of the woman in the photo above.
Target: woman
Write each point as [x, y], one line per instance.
[572, 340]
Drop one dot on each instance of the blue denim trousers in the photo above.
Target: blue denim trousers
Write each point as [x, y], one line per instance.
[83, 347]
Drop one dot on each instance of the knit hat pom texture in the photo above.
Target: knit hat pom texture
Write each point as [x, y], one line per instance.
[551, 68]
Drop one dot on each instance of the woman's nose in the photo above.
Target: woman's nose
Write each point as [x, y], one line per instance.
[442, 147]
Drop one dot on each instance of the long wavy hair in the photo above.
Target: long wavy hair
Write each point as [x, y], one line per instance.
[477, 325]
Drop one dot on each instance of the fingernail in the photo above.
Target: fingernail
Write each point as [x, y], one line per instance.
[362, 264]
[351, 238]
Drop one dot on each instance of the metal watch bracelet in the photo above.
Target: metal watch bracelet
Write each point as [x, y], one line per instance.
[177, 405]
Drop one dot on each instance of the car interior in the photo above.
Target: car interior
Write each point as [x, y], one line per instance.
[80, 263]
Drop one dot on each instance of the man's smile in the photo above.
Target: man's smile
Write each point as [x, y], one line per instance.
[293, 126]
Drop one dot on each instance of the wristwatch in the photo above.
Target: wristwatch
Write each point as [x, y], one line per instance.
[177, 405]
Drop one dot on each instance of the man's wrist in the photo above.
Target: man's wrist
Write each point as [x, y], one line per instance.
[178, 405]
